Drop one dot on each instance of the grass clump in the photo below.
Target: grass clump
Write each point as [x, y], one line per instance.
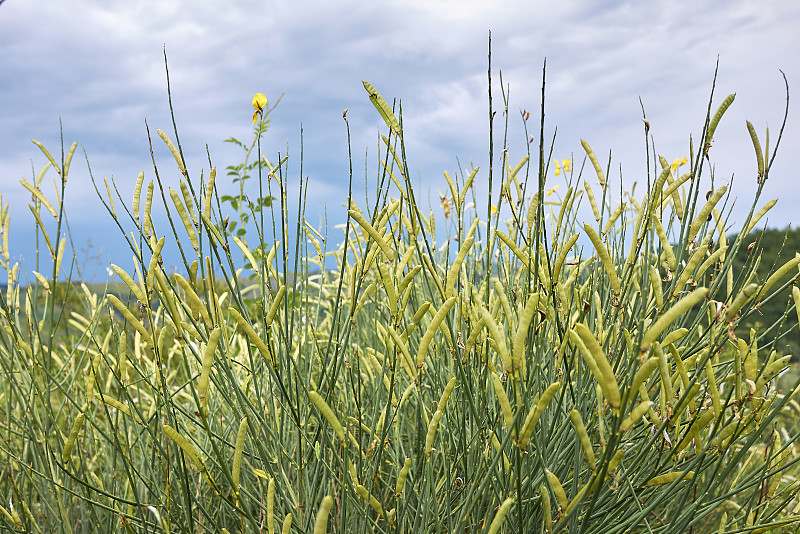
[543, 375]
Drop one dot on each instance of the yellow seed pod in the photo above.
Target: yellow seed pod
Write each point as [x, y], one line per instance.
[287, 524]
[744, 296]
[114, 403]
[173, 150]
[499, 340]
[133, 286]
[669, 255]
[367, 496]
[252, 334]
[432, 426]
[635, 415]
[525, 319]
[667, 478]
[655, 283]
[77, 425]
[400, 344]
[704, 212]
[778, 274]
[237, 454]
[446, 394]
[694, 431]
[401, 478]
[147, 222]
[422, 351]
[691, 264]
[187, 222]
[592, 201]
[185, 446]
[757, 147]
[607, 380]
[155, 259]
[131, 319]
[535, 413]
[524, 258]
[562, 256]
[208, 358]
[373, 233]
[497, 522]
[757, 217]
[321, 524]
[452, 273]
[209, 192]
[502, 398]
[271, 505]
[555, 485]
[548, 516]
[596, 164]
[327, 413]
[583, 437]
[276, 302]
[671, 315]
[409, 277]
[605, 258]
[712, 126]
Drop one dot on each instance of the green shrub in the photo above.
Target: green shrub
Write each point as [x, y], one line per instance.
[540, 376]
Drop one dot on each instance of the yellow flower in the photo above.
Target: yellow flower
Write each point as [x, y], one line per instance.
[678, 162]
[558, 168]
[553, 190]
[567, 165]
[259, 103]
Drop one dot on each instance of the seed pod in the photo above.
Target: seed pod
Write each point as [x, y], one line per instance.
[502, 398]
[712, 126]
[209, 192]
[401, 478]
[133, 286]
[499, 340]
[607, 380]
[409, 277]
[77, 425]
[643, 374]
[535, 413]
[271, 505]
[497, 522]
[757, 217]
[237, 454]
[671, 315]
[583, 437]
[147, 223]
[446, 394]
[595, 163]
[655, 283]
[321, 524]
[524, 258]
[525, 318]
[592, 201]
[252, 335]
[452, 273]
[473, 337]
[694, 431]
[114, 403]
[744, 296]
[422, 351]
[327, 413]
[187, 222]
[704, 212]
[562, 255]
[276, 302]
[548, 517]
[154, 265]
[555, 485]
[373, 233]
[409, 363]
[131, 319]
[635, 415]
[367, 496]
[208, 359]
[605, 258]
[287, 524]
[777, 275]
[434, 424]
[691, 264]
[666, 478]
[757, 147]
[185, 446]
[386, 114]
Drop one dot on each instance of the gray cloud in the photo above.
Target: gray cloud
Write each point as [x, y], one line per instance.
[99, 67]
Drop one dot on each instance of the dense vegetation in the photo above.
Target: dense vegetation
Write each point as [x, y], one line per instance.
[530, 373]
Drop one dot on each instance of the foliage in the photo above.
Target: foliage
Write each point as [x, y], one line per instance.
[544, 376]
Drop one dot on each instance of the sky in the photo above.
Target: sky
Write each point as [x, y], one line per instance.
[96, 69]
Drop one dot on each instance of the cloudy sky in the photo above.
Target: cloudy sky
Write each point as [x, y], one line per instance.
[98, 67]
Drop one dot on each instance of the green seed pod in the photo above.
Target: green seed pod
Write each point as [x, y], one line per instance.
[321, 524]
[497, 522]
[655, 283]
[252, 335]
[287, 524]
[555, 485]
[276, 302]
[452, 273]
[704, 212]
[373, 233]
[562, 256]
[434, 424]
[667, 478]
[147, 223]
[131, 319]
[605, 258]
[502, 398]
[187, 222]
[635, 415]
[173, 150]
[600, 176]
[535, 413]
[583, 437]
[155, 258]
[185, 446]
[422, 351]
[744, 296]
[401, 479]
[499, 340]
[548, 516]
[757, 147]
[525, 319]
[782, 271]
[237, 454]
[367, 496]
[671, 315]
[271, 505]
[712, 126]
[77, 425]
[592, 201]
[613, 217]
[607, 380]
[327, 413]
[524, 258]
[757, 217]
[208, 358]
[386, 114]
[209, 192]
[133, 286]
